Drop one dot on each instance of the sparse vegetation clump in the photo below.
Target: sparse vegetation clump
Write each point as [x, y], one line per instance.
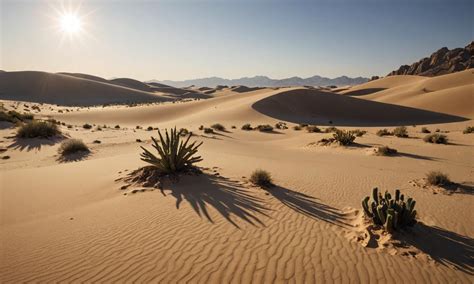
[313, 129]
[183, 132]
[384, 132]
[174, 154]
[281, 125]
[331, 129]
[264, 128]
[149, 128]
[117, 126]
[468, 130]
[425, 130]
[218, 126]
[208, 130]
[201, 127]
[297, 127]
[247, 127]
[392, 214]
[14, 116]
[41, 129]
[436, 138]
[344, 137]
[401, 132]
[437, 178]
[261, 178]
[87, 126]
[358, 132]
[385, 151]
[72, 146]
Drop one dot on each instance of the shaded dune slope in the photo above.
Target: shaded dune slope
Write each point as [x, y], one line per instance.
[319, 107]
[451, 94]
[43, 87]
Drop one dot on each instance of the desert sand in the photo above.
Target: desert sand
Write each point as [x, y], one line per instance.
[72, 221]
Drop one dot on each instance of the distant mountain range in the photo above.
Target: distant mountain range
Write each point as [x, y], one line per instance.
[443, 61]
[263, 81]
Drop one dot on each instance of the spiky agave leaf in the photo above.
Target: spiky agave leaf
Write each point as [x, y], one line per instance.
[174, 153]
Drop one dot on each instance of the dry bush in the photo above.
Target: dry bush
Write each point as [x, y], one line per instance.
[261, 178]
[72, 146]
[40, 129]
[437, 178]
[436, 138]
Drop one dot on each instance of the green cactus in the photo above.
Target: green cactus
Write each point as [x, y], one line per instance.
[389, 224]
[392, 214]
[375, 195]
[365, 205]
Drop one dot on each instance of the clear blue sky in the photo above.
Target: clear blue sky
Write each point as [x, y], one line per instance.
[193, 39]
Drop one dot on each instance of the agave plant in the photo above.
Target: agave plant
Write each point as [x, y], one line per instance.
[393, 214]
[174, 154]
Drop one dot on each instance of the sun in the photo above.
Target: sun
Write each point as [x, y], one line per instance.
[70, 23]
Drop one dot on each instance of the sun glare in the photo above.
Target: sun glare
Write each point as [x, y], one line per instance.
[70, 23]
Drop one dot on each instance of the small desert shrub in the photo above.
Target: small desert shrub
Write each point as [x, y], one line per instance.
[138, 127]
[393, 214]
[331, 129]
[21, 117]
[313, 129]
[35, 128]
[218, 126]
[437, 130]
[98, 128]
[469, 129]
[247, 126]
[183, 132]
[264, 128]
[233, 127]
[138, 140]
[261, 178]
[344, 137]
[208, 130]
[117, 126]
[149, 128]
[425, 130]
[401, 132]
[358, 132]
[201, 127]
[297, 127]
[171, 158]
[97, 142]
[69, 126]
[87, 126]
[436, 138]
[384, 132]
[303, 125]
[385, 151]
[281, 125]
[72, 146]
[437, 178]
[14, 116]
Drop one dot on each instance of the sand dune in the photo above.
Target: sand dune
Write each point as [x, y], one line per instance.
[60, 89]
[451, 94]
[319, 107]
[74, 221]
[131, 83]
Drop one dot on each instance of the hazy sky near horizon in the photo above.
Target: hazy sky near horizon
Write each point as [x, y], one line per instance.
[193, 39]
